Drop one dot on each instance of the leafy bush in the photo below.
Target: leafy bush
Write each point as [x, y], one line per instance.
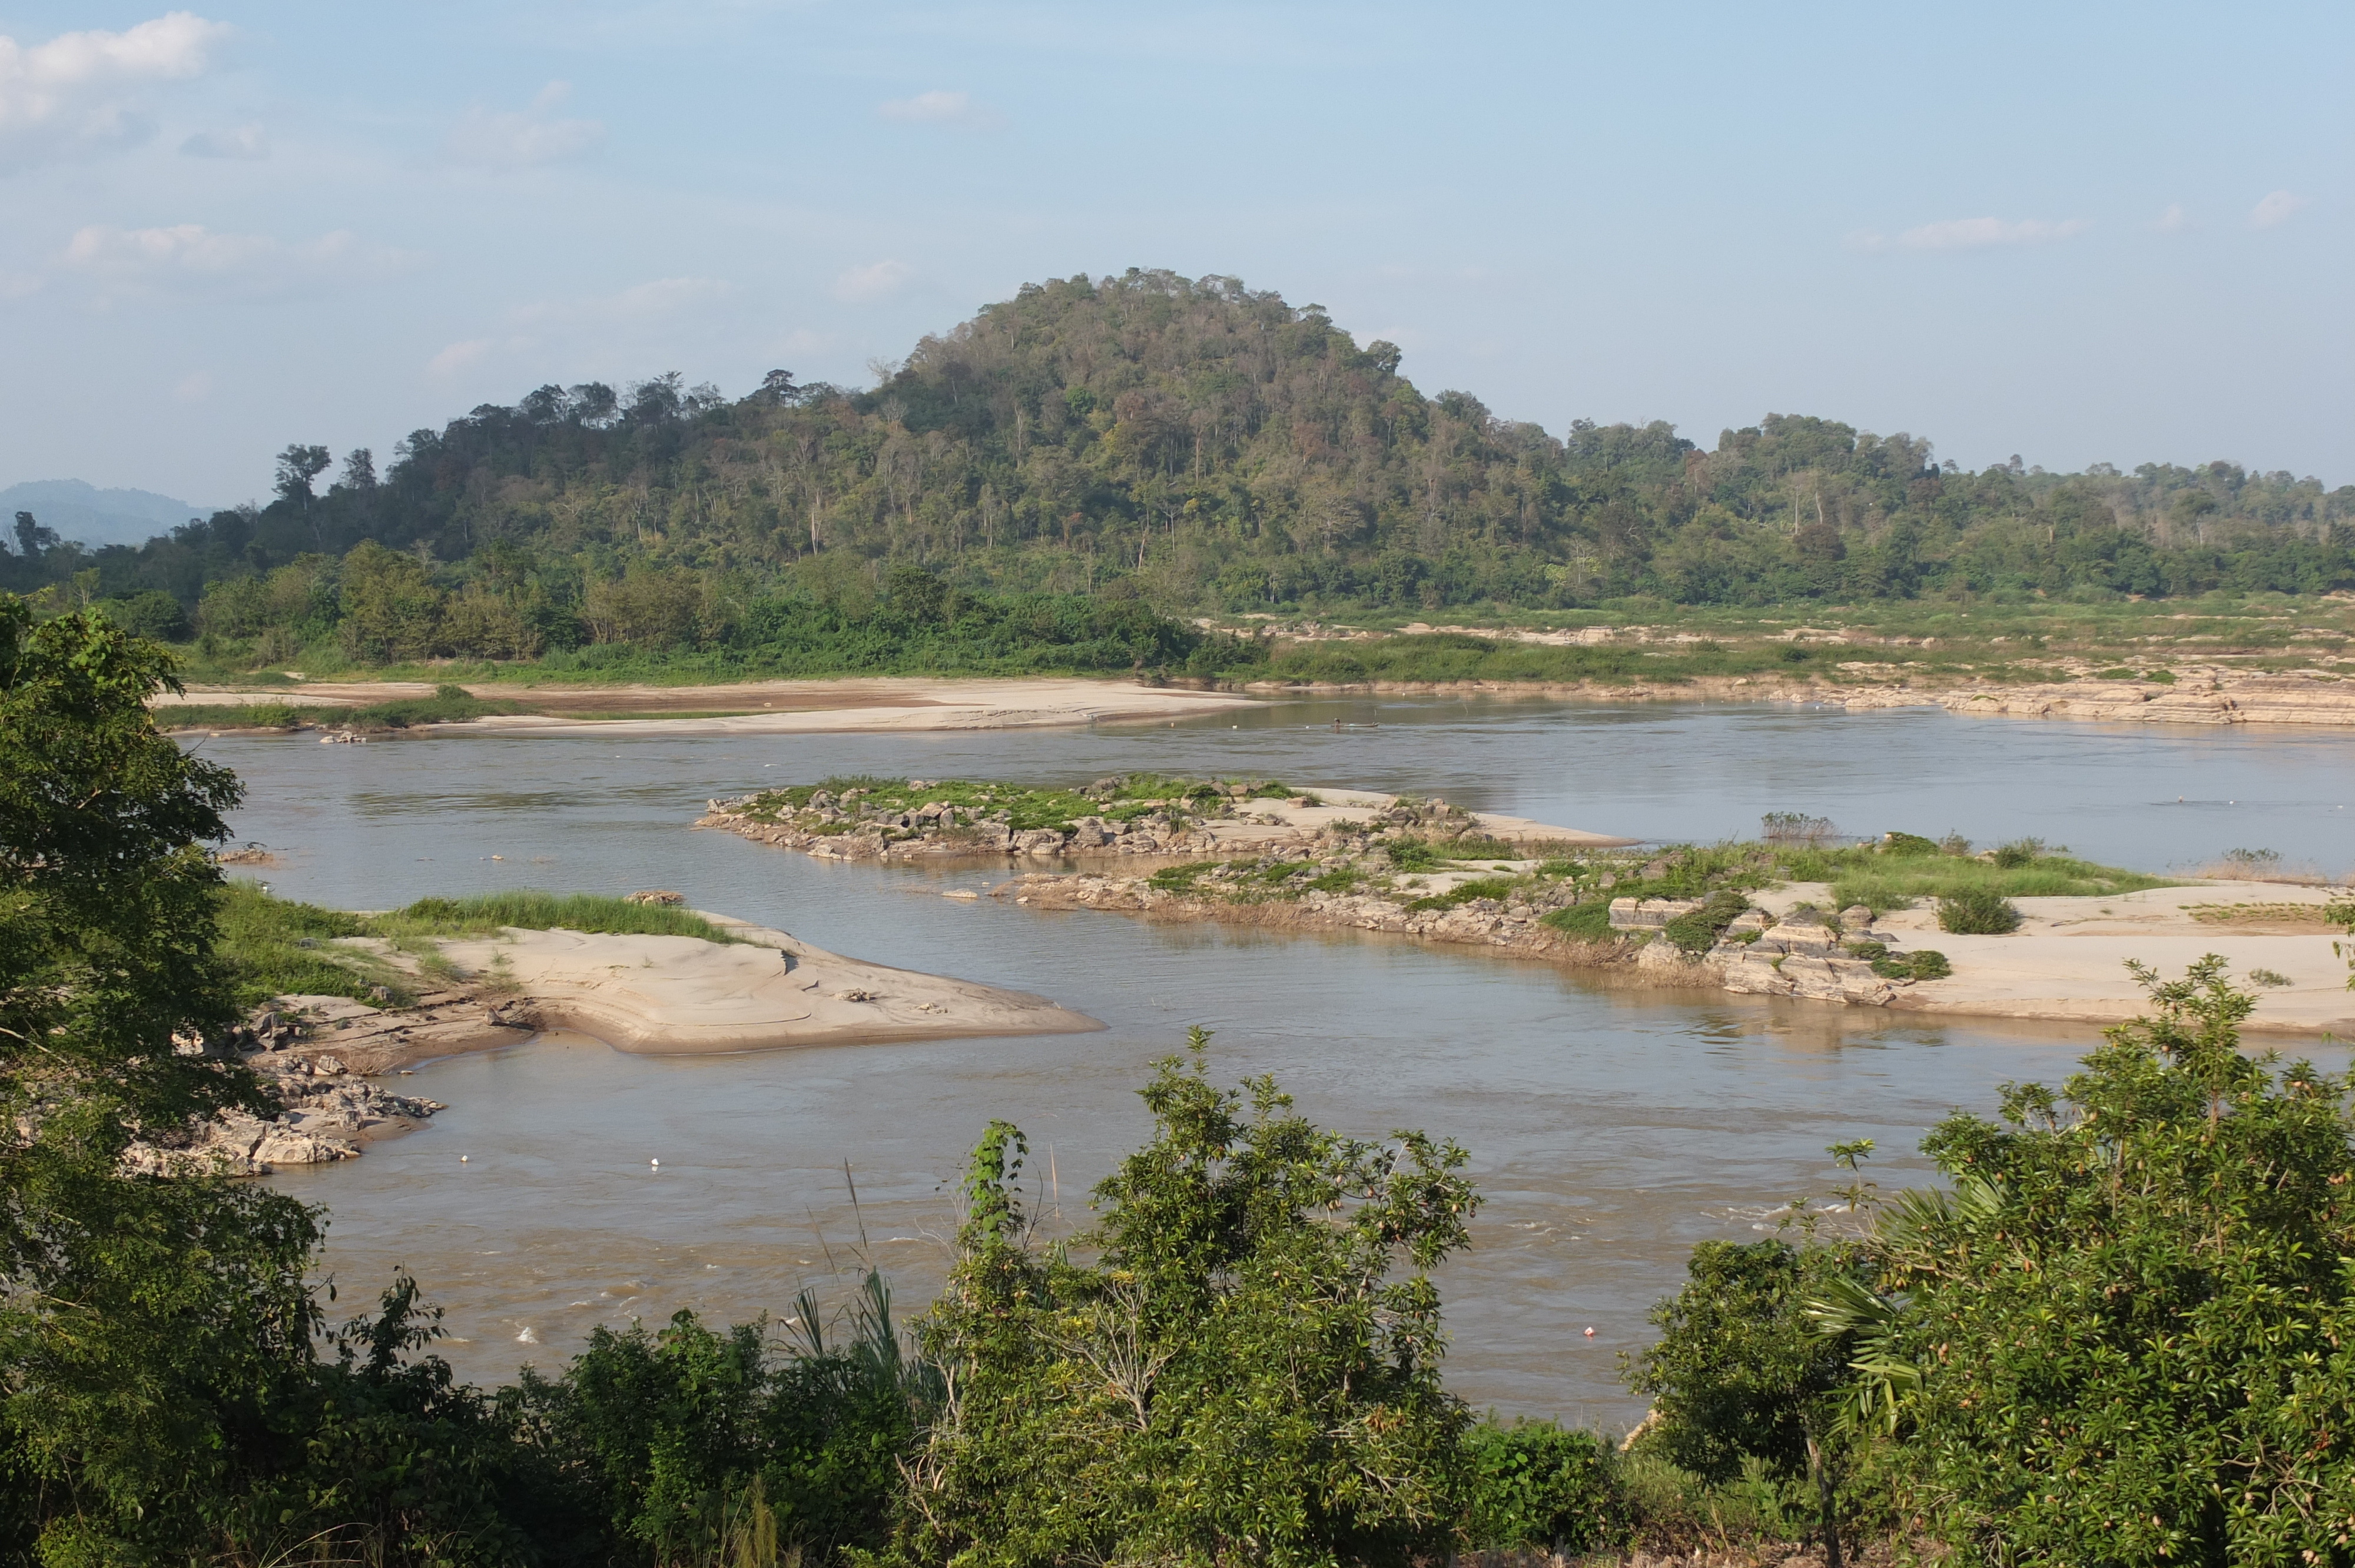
[2148, 1368]
[1926, 964]
[1699, 931]
[1743, 1379]
[1979, 912]
[1255, 1338]
[1409, 854]
[1589, 922]
[1180, 878]
[1796, 827]
[447, 705]
[1908, 844]
[2017, 854]
[1537, 1487]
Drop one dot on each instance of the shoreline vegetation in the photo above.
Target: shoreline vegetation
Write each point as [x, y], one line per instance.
[2243, 661]
[1899, 921]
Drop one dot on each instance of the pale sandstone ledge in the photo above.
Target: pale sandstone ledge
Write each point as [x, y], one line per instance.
[644, 994]
[2204, 696]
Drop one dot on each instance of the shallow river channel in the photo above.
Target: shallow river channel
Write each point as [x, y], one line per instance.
[1610, 1130]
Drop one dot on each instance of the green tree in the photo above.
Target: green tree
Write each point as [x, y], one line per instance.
[1239, 1376]
[147, 1327]
[392, 609]
[2132, 1326]
[1743, 1371]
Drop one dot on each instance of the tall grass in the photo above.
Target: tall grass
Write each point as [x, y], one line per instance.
[484, 914]
[1895, 884]
[279, 947]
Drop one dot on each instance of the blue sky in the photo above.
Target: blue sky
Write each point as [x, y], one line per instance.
[2078, 233]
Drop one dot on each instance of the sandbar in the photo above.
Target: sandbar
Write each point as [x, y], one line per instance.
[765, 707]
[685, 996]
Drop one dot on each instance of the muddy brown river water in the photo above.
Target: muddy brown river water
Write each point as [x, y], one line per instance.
[1610, 1130]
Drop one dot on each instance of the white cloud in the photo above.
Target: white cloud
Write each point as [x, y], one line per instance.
[82, 93]
[1975, 233]
[2277, 208]
[230, 141]
[459, 355]
[958, 111]
[194, 388]
[189, 256]
[490, 140]
[873, 283]
[2174, 220]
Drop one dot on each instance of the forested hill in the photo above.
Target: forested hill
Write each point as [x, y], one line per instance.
[1194, 443]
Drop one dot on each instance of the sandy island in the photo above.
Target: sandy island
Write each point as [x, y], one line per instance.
[647, 994]
[1310, 863]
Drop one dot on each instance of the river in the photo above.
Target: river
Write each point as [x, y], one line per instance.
[1610, 1130]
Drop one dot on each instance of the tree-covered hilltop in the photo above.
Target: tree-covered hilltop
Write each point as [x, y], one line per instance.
[1194, 443]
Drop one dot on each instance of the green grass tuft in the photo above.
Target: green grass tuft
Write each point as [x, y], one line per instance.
[484, 914]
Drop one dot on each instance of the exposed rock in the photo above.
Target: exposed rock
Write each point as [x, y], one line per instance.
[328, 1113]
[1648, 913]
[659, 895]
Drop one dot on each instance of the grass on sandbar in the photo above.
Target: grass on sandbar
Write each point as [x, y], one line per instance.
[484, 914]
[281, 947]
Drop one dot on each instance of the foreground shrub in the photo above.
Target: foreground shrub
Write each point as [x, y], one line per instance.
[2126, 1331]
[1537, 1487]
[1977, 911]
[1248, 1370]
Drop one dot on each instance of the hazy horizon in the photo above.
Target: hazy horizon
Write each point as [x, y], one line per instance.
[2086, 238]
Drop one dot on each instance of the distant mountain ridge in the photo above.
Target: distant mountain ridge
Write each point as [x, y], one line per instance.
[78, 510]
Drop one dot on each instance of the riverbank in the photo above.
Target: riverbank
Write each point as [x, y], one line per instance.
[2201, 696]
[751, 707]
[2190, 695]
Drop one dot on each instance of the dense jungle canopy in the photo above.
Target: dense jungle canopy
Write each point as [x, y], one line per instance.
[1194, 445]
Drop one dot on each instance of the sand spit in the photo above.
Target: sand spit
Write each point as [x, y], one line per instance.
[684, 996]
[646, 994]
